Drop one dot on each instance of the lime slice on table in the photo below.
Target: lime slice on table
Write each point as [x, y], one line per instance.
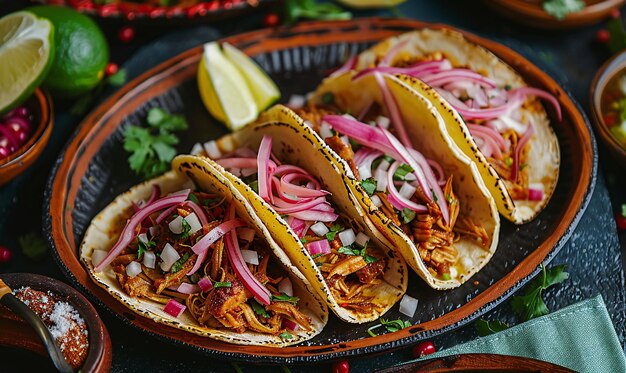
[26, 50]
[264, 90]
[224, 90]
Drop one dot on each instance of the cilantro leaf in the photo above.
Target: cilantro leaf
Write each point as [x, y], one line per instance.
[143, 247]
[369, 259]
[192, 197]
[402, 171]
[485, 327]
[33, 246]
[624, 210]
[222, 284]
[285, 298]
[152, 148]
[531, 304]
[347, 250]
[178, 265]
[561, 8]
[407, 215]
[285, 335]
[369, 185]
[117, 79]
[254, 185]
[336, 228]
[258, 308]
[390, 325]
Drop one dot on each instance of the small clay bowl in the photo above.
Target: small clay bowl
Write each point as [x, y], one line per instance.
[40, 105]
[614, 66]
[531, 13]
[17, 333]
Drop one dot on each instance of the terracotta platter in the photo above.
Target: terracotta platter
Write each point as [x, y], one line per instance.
[92, 171]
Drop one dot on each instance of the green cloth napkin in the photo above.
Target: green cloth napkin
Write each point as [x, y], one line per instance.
[580, 337]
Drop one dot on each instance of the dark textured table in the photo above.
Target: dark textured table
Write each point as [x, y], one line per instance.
[593, 254]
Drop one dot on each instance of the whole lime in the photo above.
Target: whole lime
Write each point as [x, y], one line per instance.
[81, 53]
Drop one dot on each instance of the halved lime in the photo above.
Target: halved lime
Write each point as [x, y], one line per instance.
[26, 50]
[224, 90]
[264, 90]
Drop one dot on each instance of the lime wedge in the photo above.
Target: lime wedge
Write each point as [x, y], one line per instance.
[365, 4]
[26, 50]
[224, 90]
[264, 91]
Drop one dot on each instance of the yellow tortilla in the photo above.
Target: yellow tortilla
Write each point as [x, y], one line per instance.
[107, 225]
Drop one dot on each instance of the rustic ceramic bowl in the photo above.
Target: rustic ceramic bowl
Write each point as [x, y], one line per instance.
[531, 13]
[18, 334]
[92, 172]
[40, 105]
[616, 65]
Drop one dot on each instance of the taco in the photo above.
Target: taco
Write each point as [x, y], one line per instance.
[426, 196]
[282, 170]
[200, 260]
[489, 111]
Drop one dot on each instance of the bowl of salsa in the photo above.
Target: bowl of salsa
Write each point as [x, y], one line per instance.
[608, 105]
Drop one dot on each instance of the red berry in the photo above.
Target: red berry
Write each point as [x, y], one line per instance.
[5, 254]
[126, 34]
[621, 222]
[603, 36]
[111, 68]
[615, 13]
[423, 349]
[609, 119]
[341, 367]
[271, 20]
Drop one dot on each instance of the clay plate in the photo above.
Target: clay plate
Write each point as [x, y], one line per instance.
[531, 13]
[17, 333]
[91, 172]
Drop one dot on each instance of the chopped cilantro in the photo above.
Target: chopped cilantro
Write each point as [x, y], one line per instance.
[446, 276]
[348, 250]
[328, 98]
[143, 247]
[316, 256]
[333, 232]
[402, 171]
[369, 259]
[254, 185]
[559, 9]
[285, 298]
[390, 325]
[508, 87]
[407, 215]
[258, 308]
[435, 199]
[178, 265]
[369, 185]
[186, 231]
[508, 161]
[285, 335]
[152, 148]
[222, 284]
[193, 198]
[448, 198]
[33, 245]
[303, 240]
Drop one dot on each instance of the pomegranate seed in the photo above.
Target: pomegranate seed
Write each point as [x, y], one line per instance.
[615, 13]
[21, 111]
[271, 20]
[126, 34]
[341, 367]
[423, 349]
[5, 254]
[621, 222]
[603, 36]
[111, 68]
[4, 152]
[609, 119]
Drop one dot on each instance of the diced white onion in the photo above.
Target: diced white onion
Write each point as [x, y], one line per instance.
[383, 121]
[383, 165]
[296, 101]
[348, 116]
[246, 234]
[410, 177]
[407, 190]
[133, 269]
[286, 287]
[97, 256]
[365, 172]
[154, 230]
[245, 172]
[308, 123]
[381, 180]
[361, 239]
[211, 149]
[466, 262]
[453, 272]
[319, 229]
[347, 237]
[408, 305]
[345, 140]
[326, 130]
[197, 149]
[250, 257]
[143, 238]
[169, 256]
[376, 200]
[189, 184]
[149, 259]
[536, 186]
[176, 225]
[194, 223]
